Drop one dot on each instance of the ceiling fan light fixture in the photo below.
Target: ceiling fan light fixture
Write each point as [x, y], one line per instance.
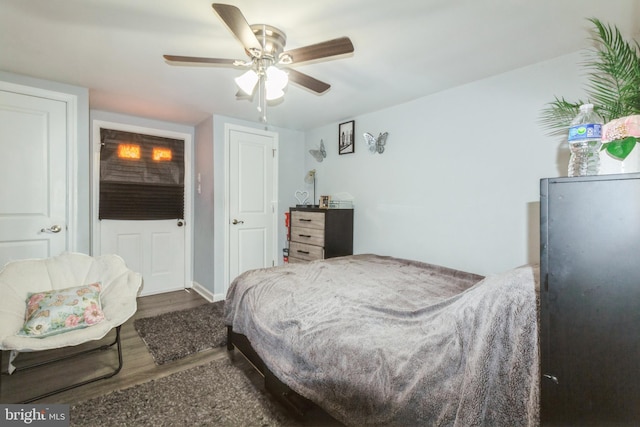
[285, 59]
[247, 82]
[273, 93]
[264, 45]
[277, 77]
[275, 83]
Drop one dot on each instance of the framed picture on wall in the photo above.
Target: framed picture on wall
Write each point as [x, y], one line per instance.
[346, 141]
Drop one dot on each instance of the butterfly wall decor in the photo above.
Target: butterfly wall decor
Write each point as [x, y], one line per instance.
[320, 153]
[376, 145]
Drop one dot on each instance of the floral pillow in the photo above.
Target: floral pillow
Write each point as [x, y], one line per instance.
[61, 310]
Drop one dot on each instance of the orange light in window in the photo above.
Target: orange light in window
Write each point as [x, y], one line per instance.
[161, 154]
[128, 151]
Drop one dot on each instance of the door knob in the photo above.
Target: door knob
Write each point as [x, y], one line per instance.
[180, 223]
[53, 229]
[235, 221]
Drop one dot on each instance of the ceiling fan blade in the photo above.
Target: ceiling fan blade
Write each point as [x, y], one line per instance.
[237, 24]
[307, 81]
[326, 49]
[196, 60]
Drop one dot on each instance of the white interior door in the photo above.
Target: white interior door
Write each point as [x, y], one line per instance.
[33, 184]
[153, 248]
[157, 249]
[251, 201]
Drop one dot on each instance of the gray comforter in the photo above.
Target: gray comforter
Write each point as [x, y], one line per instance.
[383, 341]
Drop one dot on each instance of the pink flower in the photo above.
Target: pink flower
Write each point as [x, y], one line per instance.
[72, 321]
[35, 299]
[621, 128]
[93, 315]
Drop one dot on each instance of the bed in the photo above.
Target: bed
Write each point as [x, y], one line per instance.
[376, 340]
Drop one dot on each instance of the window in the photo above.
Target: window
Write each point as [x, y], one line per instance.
[141, 176]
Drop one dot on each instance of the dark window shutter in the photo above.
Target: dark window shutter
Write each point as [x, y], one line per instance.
[140, 189]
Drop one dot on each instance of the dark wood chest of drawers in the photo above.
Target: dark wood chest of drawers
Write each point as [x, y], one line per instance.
[320, 233]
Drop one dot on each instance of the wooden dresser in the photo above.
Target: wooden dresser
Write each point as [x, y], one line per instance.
[320, 233]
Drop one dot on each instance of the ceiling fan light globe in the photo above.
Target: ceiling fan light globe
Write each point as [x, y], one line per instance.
[277, 77]
[247, 82]
[273, 92]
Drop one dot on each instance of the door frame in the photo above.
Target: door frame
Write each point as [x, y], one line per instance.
[188, 201]
[71, 101]
[228, 128]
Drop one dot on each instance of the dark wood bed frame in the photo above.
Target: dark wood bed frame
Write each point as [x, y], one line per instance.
[289, 398]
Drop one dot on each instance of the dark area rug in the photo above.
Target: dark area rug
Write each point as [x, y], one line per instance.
[215, 394]
[174, 335]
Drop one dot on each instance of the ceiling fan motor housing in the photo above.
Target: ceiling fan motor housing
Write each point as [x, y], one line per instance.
[272, 40]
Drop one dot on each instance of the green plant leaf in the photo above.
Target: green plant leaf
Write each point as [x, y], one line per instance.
[613, 73]
[620, 148]
[557, 115]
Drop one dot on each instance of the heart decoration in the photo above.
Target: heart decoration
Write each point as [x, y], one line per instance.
[302, 196]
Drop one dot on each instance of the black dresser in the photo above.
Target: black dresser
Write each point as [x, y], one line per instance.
[590, 301]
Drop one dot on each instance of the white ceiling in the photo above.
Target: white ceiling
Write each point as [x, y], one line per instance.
[404, 49]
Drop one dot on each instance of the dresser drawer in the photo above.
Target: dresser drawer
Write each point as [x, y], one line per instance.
[294, 260]
[312, 236]
[307, 219]
[305, 251]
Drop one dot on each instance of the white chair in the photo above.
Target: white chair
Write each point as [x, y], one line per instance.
[120, 288]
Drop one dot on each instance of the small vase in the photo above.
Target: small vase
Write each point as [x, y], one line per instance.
[611, 165]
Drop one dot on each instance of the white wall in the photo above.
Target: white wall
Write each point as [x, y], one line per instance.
[203, 237]
[458, 183]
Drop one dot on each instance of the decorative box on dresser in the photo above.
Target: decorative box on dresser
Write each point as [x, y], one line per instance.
[590, 301]
[320, 233]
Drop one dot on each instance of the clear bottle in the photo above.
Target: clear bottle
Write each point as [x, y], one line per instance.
[585, 139]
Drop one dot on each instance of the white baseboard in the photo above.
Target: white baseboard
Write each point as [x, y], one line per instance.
[205, 293]
[146, 294]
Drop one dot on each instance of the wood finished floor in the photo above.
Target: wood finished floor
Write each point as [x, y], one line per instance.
[138, 367]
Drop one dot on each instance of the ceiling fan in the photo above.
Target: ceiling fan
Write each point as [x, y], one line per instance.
[268, 63]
